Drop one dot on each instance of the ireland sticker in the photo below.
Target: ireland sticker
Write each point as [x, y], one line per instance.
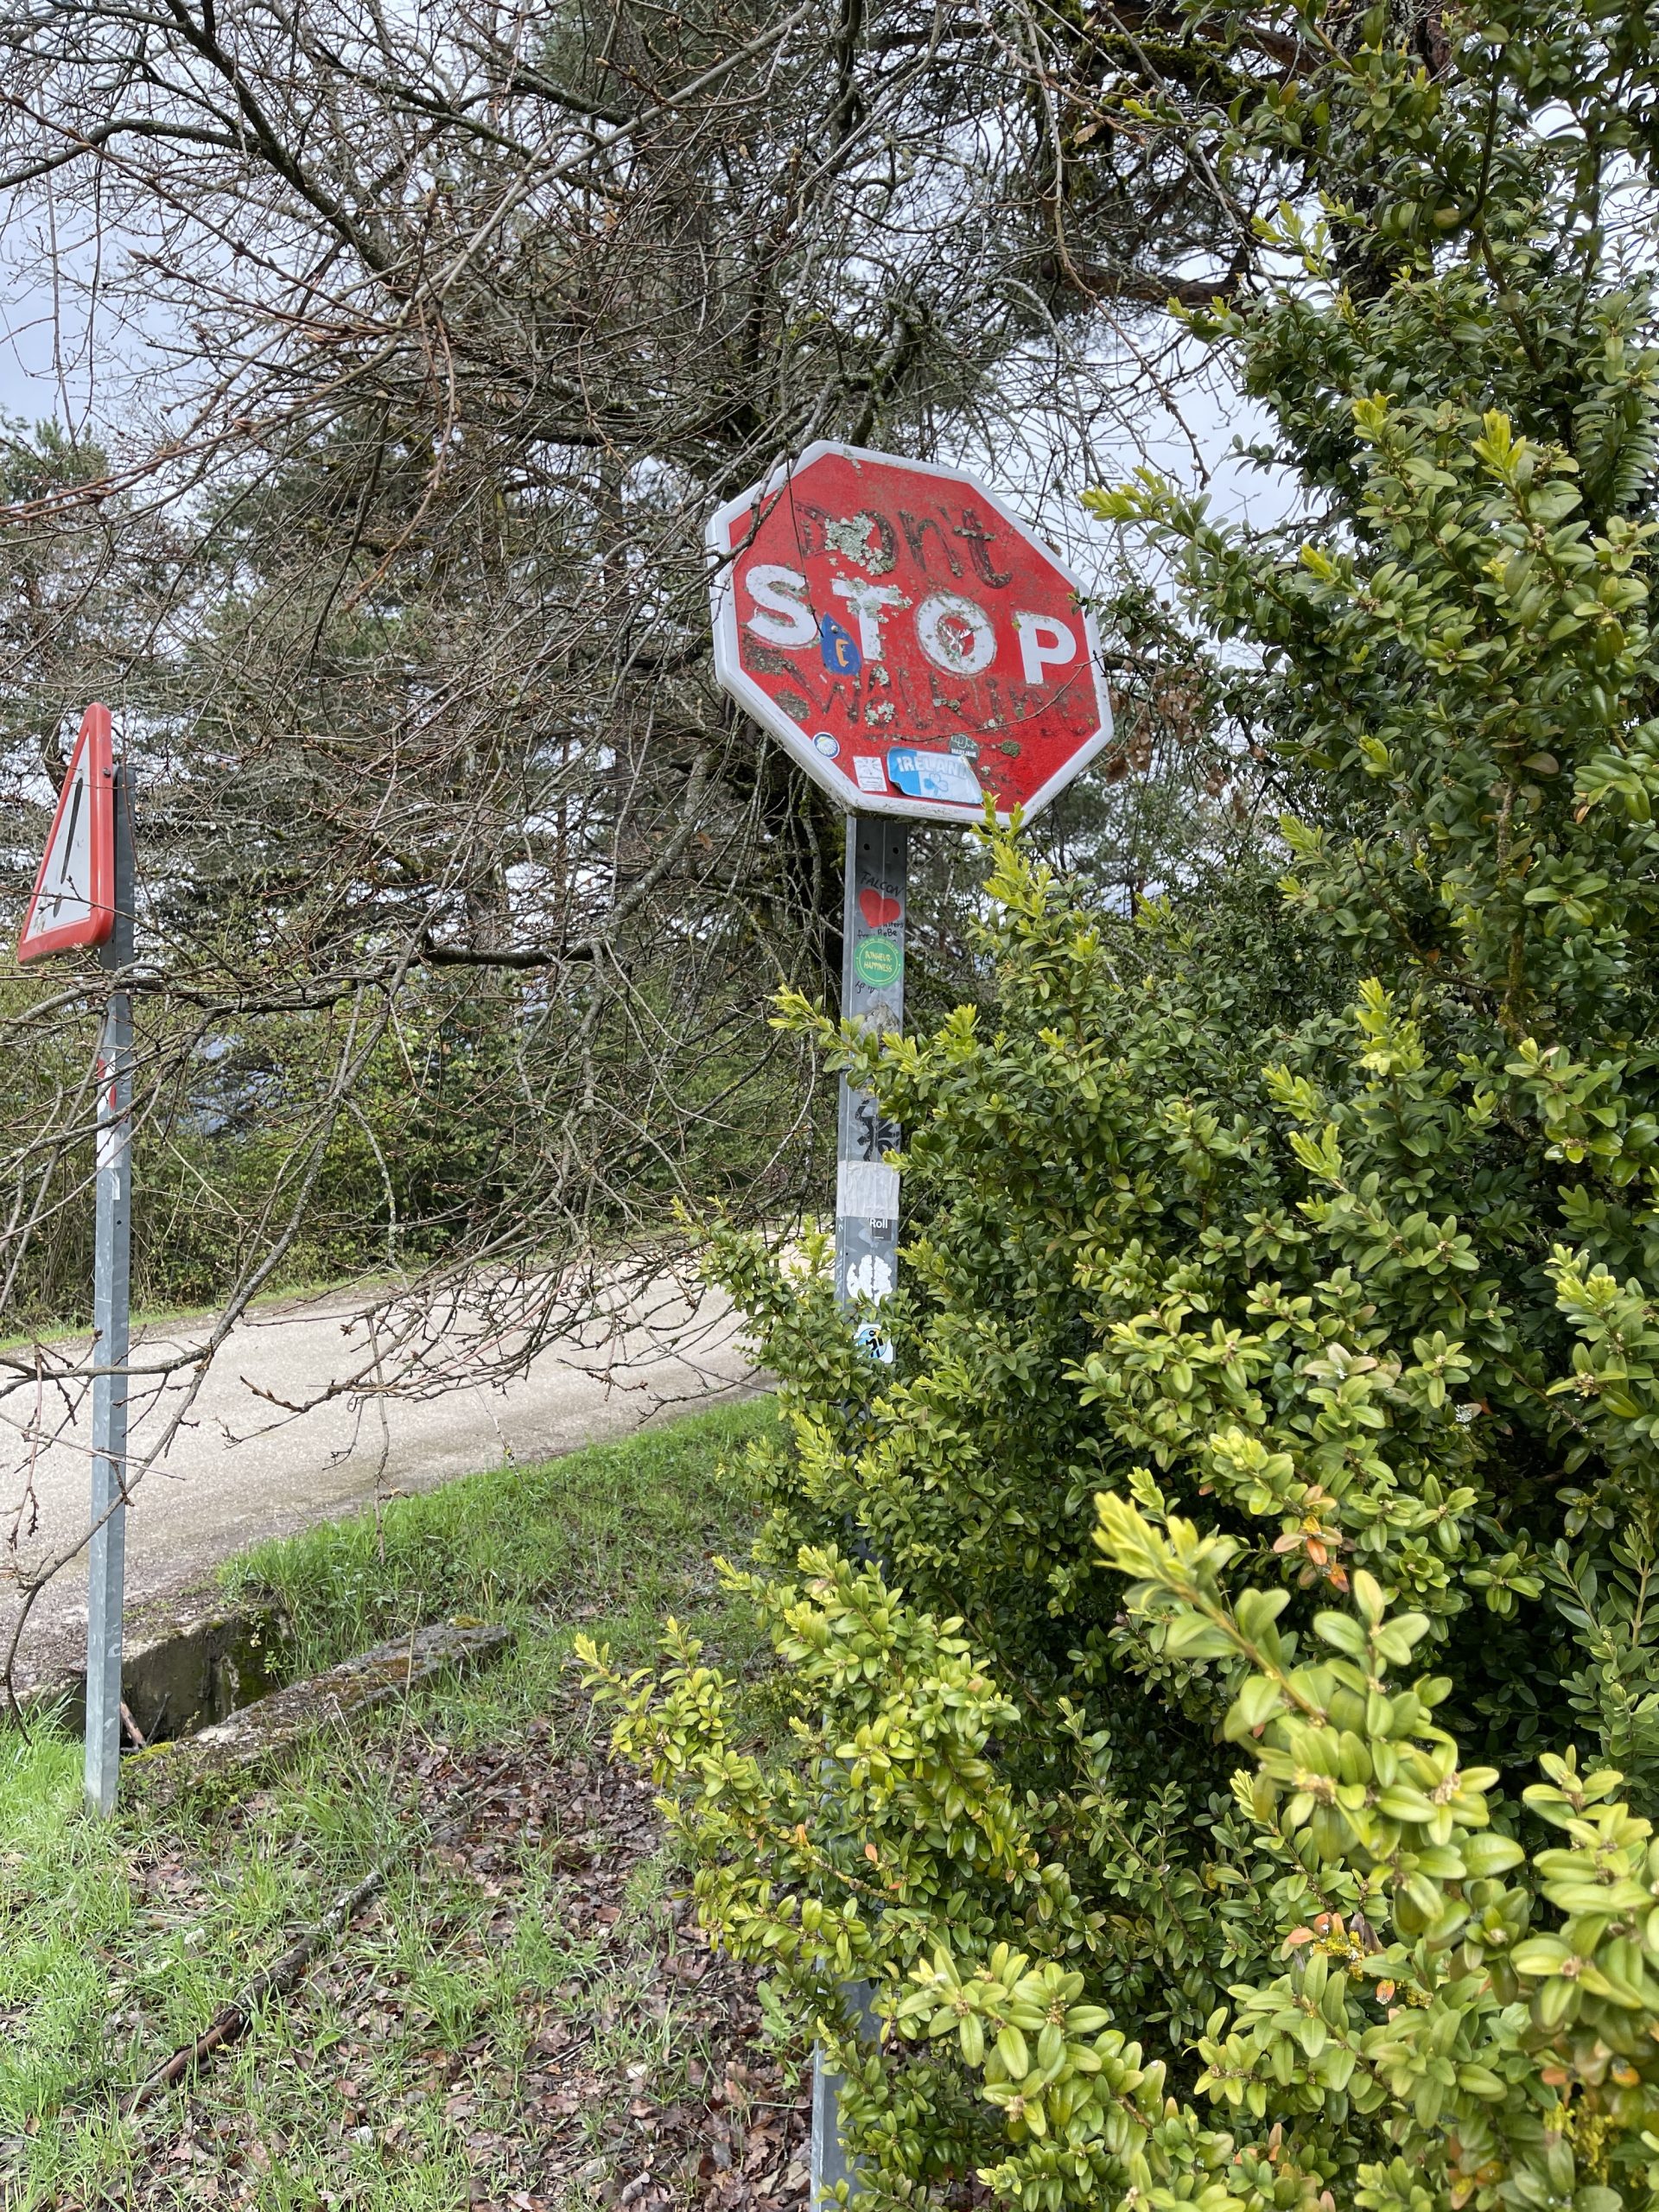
[877, 962]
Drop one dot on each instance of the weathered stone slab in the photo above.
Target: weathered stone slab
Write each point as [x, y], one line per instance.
[262, 1737]
[180, 1670]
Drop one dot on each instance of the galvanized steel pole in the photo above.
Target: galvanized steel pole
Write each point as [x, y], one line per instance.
[877, 896]
[107, 1551]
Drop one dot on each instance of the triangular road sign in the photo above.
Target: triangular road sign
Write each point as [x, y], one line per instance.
[73, 901]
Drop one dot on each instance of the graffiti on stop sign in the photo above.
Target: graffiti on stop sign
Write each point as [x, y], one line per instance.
[913, 643]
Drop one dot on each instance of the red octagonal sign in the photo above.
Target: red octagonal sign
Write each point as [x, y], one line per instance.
[913, 643]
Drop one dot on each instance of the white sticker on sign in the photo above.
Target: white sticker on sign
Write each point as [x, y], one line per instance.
[867, 1190]
[869, 1277]
[871, 775]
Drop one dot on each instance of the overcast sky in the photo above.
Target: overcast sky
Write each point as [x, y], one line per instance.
[30, 384]
[61, 361]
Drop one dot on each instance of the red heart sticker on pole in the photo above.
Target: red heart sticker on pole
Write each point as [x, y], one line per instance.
[877, 910]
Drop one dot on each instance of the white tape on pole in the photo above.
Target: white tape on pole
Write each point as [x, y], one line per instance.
[867, 1189]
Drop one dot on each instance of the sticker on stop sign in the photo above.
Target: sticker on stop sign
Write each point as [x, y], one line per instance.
[914, 644]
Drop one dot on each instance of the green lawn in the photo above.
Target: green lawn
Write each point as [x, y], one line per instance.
[525, 2006]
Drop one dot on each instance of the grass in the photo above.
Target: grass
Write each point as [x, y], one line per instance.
[608, 1530]
[118, 1940]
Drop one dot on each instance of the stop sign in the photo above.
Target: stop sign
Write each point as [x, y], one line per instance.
[914, 644]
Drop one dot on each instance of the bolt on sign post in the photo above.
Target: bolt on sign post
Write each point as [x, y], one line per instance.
[83, 897]
[918, 651]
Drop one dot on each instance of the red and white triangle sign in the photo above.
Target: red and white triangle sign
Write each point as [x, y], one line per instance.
[73, 900]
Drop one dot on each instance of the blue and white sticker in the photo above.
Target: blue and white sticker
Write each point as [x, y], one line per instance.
[944, 776]
[826, 744]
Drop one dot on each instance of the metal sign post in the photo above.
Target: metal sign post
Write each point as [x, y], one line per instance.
[923, 654]
[108, 1549]
[83, 898]
[867, 1247]
[872, 994]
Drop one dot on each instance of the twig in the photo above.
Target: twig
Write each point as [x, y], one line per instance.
[233, 2020]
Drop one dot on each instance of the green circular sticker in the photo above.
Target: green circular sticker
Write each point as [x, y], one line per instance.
[876, 961]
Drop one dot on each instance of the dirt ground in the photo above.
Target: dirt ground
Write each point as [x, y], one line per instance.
[639, 2081]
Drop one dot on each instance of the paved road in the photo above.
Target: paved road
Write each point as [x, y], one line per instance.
[243, 1467]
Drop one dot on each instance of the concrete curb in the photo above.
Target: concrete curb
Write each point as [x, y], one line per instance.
[261, 1738]
[182, 1674]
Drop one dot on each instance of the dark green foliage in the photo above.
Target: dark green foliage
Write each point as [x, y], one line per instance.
[225, 1137]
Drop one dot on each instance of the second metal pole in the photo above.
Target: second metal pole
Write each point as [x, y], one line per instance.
[877, 896]
[108, 1549]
